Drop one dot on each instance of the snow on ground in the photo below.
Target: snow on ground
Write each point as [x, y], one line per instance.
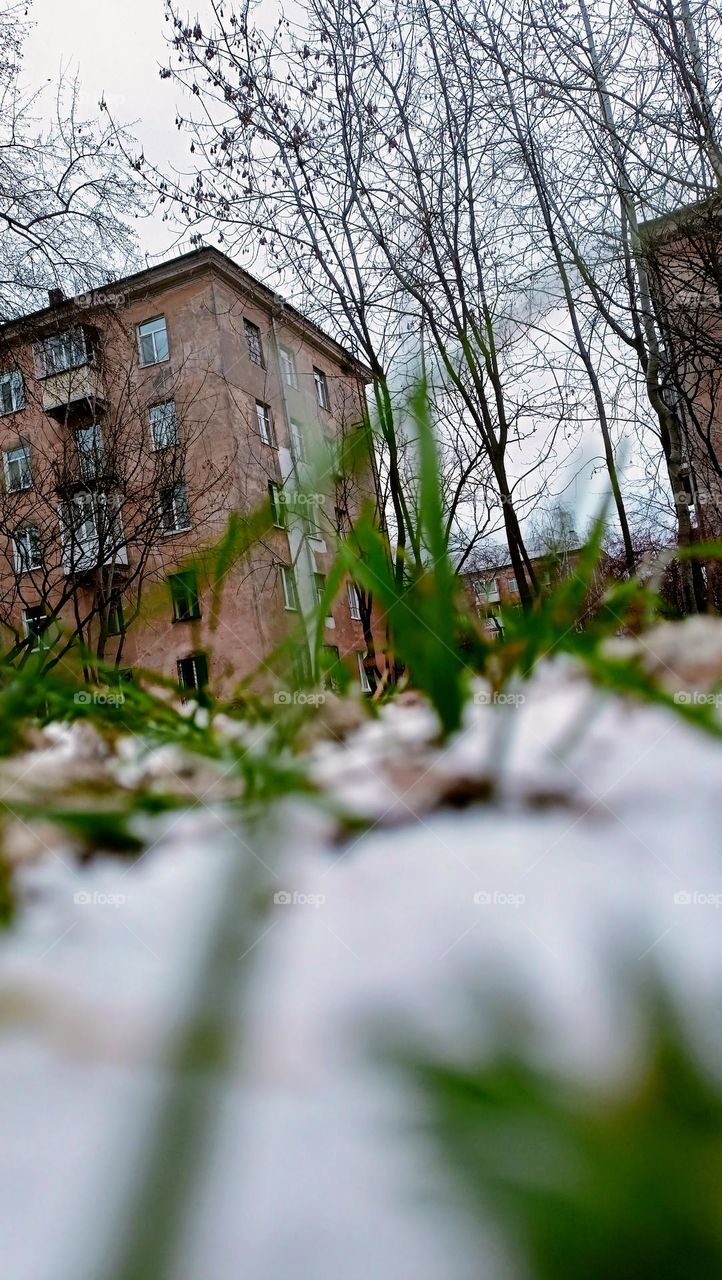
[596, 859]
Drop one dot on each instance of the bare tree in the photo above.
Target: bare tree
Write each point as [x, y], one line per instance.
[65, 191]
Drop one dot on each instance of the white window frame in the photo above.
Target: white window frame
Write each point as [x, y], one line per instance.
[290, 590]
[323, 399]
[13, 380]
[39, 644]
[363, 678]
[157, 359]
[354, 601]
[90, 459]
[278, 510]
[264, 423]
[81, 538]
[298, 450]
[289, 372]
[70, 344]
[13, 455]
[164, 415]
[177, 528]
[512, 585]
[24, 562]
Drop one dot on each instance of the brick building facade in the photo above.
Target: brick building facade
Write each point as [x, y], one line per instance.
[133, 422]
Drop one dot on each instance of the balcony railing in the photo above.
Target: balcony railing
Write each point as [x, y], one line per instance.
[71, 389]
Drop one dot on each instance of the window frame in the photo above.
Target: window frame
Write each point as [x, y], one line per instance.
[287, 361]
[115, 611]
[149, 364]
[77, 345]
[168, 444]
[172, 489]
[13, 378]
[278, 510]
[290, 588]
[198, 686]
[264, 424]
[323, 397]
[361, 655]
[184, 587]
[354, 601]
[40, 609]
[252, 332]
[94, 455]
[295, 431]
[23, 449]
[18, 555]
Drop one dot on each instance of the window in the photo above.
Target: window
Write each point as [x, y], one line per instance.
[184, 594]
[28, 554]
[12, 392]
[35, 625]
[321, 384]
[342, 522]
[92, 532]
[354, 602]
[89, 442]
[67, 350]
[153, 341]
[511, 585]
[174, 511]
[278, 510]
[255, 346]
[319, 585]
[362, 673]
[163, 425]
[16, 462]
[265, 426]
[290, 594]
[115, 622]
[193, 671]
[288, 367]
[297, 448]
[330, 666]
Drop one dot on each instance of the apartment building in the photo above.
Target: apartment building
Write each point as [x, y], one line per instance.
[684, 258]
[134, 422]
[494, 588]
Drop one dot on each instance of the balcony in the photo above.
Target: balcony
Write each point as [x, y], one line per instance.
[71, 393]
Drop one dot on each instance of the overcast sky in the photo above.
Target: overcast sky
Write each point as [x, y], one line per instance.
[116, 46]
